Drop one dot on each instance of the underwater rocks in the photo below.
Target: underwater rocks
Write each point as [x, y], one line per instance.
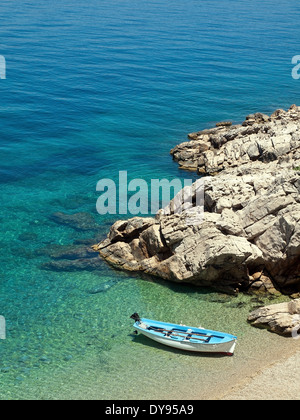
[251, 213]
[104, 287]
[91, 264]
[28, 236]
[78, 221]
[70, 258]
[70, 252]
[281, 318]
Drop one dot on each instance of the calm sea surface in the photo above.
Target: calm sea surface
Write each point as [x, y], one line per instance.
[94, 88]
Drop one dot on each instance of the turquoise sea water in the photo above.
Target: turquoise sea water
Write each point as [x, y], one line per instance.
[94, 88]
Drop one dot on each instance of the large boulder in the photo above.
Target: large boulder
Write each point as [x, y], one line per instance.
[281, 318]
[251, 218]
[201, 255]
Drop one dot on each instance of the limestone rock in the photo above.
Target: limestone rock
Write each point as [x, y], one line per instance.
[251, 217]
[260, 138]
[281, 318]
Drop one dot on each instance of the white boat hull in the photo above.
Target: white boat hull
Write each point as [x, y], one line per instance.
[226, 348]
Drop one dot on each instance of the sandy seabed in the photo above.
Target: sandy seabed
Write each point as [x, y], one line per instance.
[281, 381]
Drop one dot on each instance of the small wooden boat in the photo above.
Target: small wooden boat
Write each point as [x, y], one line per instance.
[186, 338]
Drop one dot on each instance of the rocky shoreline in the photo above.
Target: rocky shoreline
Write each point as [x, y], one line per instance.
[250, 235]
[260, 138]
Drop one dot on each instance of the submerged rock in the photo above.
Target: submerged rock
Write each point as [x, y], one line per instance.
[77, 221]
[70, 258]
[89, 264]
[28, 236]
[102, 287]
[69, 252]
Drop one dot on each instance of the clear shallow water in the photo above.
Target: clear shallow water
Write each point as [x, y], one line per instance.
[93, 89]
